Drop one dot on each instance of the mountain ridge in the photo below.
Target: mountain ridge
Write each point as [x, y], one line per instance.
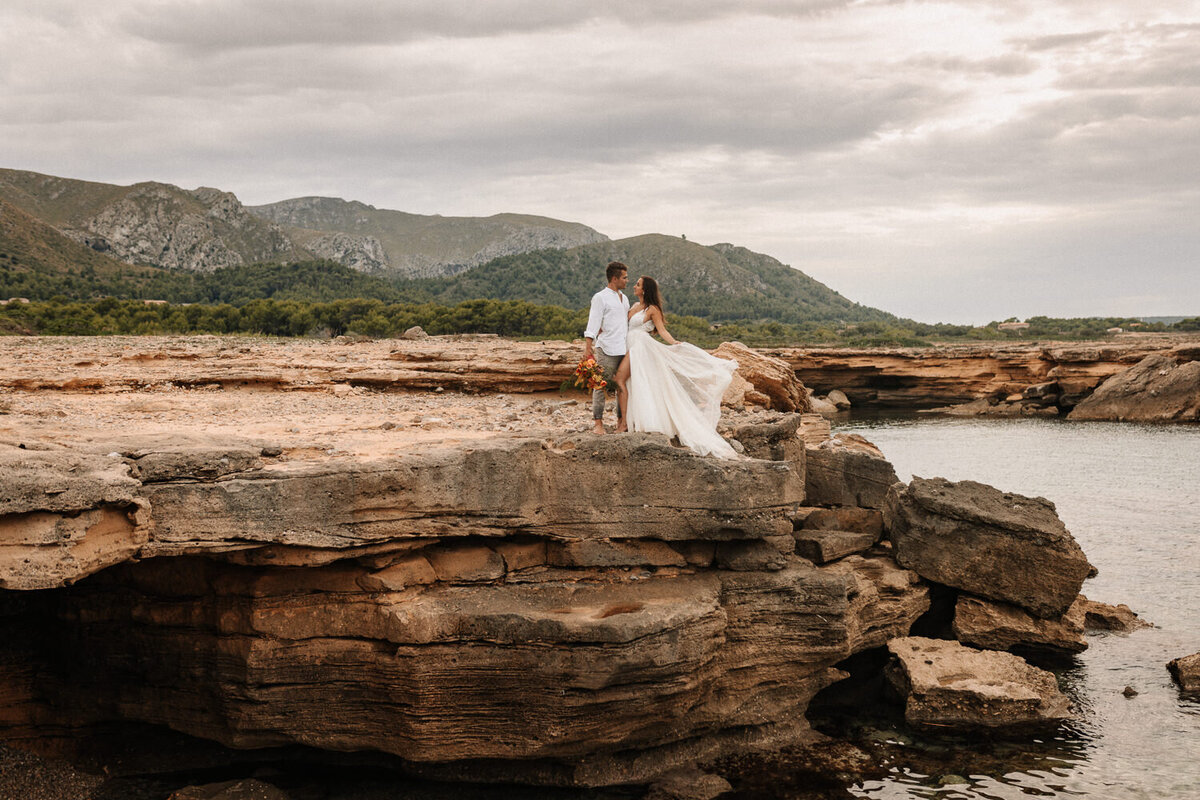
[200, 230]
[386, 241]
[721, 282]
[204, 245]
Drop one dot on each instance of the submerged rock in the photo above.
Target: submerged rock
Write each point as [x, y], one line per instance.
[994, 544]
[952, 688]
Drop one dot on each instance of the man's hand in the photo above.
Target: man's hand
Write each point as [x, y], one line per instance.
[587, 349]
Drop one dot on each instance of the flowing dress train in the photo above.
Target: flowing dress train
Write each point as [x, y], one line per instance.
[676, 390]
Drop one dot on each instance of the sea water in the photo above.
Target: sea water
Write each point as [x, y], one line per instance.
[1130, 494]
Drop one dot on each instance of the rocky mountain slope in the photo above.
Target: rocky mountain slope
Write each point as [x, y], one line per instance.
[388, 242]
[153, 224]
[205, 229]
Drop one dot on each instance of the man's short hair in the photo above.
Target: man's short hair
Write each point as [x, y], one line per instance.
[615, 268]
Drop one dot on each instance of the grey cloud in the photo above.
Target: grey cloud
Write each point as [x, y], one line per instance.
[1061, 41]
[1012, 64]
[232, 24]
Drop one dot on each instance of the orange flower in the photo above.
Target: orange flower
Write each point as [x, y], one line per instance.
[590, 374]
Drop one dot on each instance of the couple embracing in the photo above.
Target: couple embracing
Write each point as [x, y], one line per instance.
[665, 387]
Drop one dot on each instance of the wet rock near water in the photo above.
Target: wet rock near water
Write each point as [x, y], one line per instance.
[1186, 672]
[1104, 617]
[1162, 387]
[949, 687]
[999, 626]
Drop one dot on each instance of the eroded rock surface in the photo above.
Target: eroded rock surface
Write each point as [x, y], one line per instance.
[373, 546]
[1105, 617]
[942, 375]
[950, 687]
[994, 544]
[1162, 387]
[846, 470]
[999, 626]
[769, 376]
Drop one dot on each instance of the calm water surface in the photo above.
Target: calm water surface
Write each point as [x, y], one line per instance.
[1130, 494]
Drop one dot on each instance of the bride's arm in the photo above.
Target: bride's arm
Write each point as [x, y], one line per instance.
[660, 325]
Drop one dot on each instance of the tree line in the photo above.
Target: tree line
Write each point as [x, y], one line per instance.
[513, 318]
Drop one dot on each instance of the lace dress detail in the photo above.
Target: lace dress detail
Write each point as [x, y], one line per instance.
[676, 389]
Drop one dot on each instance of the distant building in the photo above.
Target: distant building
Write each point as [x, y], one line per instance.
[155, 302]
[1013, 326]
[1114, 330]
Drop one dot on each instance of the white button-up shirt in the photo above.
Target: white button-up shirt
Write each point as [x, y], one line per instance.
[607, 323]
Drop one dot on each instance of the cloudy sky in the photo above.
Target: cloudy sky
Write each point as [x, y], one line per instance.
[955, 161]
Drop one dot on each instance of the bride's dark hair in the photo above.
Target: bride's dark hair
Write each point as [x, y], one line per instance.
[650, 294]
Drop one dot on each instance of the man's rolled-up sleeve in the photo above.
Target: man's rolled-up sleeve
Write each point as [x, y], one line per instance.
[595, 317]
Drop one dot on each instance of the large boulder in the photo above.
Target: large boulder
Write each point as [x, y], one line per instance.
[1162, 387]
[999, 626]
[1186, 672]
[770, 376]
[847, 470]
[952, 688]
[990, 543]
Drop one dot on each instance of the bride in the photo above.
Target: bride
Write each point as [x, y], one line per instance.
[673, 388]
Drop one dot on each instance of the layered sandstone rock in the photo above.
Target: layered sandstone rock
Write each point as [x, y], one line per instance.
[469, 363]
[1162, 387]
[925, 377]
[994, 544]
[949, 687]
[769, 376]
[999, 626]
[533, 609]
[263, 545]
[847, 470]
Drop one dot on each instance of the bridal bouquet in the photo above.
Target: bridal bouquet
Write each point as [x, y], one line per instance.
[590, 374]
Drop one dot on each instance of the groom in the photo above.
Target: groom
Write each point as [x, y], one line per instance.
[605, 340]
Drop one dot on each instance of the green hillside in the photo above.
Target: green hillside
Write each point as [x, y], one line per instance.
[720, 283]
[38, 262]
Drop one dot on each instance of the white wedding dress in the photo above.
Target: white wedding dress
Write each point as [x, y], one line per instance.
[676, 390]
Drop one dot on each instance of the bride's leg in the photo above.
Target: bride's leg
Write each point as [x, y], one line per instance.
[622, 381]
